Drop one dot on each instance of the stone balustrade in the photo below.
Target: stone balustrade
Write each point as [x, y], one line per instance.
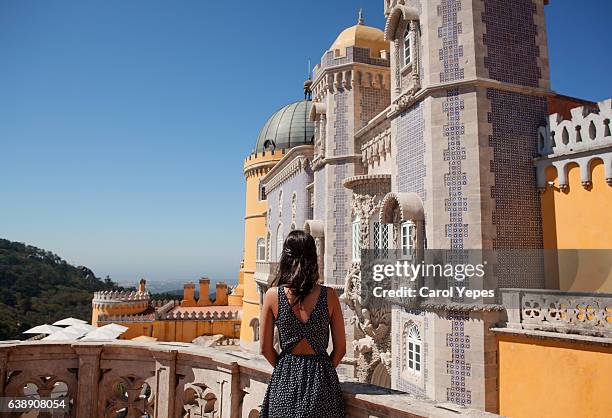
[265, 272]
[559, 311]
[167, 380]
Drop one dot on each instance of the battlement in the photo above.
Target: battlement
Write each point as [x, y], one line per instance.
[256, 157]
[103, 319]
[581, 140]
[588, 129]
[120, 296]
[202, 316]
[166, 304]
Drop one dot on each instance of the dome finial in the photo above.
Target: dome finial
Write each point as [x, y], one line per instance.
[307, 85]
[360, 19]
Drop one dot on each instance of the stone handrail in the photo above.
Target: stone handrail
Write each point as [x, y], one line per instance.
[558, 311]
[174, 380]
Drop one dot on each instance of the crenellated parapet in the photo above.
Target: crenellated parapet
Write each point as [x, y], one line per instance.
[259, 163]
[201, 316]
[164, 304]
[105, 318]
[580, 140]
[338, 78]
[119, 303]
[120, 296]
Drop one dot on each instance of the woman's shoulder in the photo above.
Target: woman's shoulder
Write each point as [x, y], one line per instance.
[272, 291]
[330, 292]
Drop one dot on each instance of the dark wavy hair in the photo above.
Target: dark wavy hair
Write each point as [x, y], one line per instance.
[298, 268]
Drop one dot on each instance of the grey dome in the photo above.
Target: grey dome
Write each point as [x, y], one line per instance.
[288, 127]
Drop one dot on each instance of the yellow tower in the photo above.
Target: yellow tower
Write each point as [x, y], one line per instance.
[286, 128]
[256, 166]
[115, 303]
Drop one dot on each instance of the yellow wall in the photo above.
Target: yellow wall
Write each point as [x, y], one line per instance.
[187, 331]
[127, 308]
[255, 168]
[180, 330]
[546, 378]
[579, 218]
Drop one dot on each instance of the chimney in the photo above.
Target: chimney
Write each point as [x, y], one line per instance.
[188, 296]
[141, 286]
[203, 300]
[221, 294]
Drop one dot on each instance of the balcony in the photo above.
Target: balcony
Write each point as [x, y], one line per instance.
[163, 380]
[582, 313]
[265, 272]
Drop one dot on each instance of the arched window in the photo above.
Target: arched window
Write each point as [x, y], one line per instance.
[254, 324]
[383, 235]
[261, 249]
[412, 349]
[407, 232]
[279, 242]
[407, 51]
[356, 238]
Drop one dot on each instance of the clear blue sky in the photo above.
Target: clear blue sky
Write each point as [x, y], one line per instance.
[123, 124]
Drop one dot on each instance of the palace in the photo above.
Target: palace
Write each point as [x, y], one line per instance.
[440, 134]
[170, 320]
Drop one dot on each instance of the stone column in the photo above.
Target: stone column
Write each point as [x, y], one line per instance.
[89, 376]
[165, 378]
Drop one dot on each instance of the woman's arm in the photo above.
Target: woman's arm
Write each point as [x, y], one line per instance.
[266, 326]
[336, 322]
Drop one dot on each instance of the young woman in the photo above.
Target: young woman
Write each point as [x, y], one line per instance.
[304, 383]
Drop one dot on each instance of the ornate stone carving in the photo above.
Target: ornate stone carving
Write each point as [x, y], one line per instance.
[556, 311]
[403, 102]
[373, 324]
[293, 207]
[199, 401]
[131, 394]
[372, 319]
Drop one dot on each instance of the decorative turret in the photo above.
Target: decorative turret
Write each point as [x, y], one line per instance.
[119, 302]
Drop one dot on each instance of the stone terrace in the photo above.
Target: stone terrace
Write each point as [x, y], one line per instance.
[175, 380]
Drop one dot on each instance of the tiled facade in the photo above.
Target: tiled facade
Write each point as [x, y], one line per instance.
[447, 141]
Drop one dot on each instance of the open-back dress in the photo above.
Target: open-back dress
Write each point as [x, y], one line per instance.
[303, 385]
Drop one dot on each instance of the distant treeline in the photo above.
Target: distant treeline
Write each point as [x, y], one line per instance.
[37, 287]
